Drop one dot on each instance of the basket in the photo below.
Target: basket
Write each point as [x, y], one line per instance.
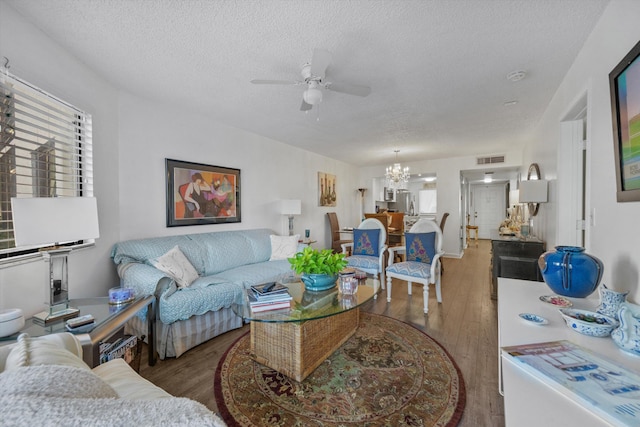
[296, 349]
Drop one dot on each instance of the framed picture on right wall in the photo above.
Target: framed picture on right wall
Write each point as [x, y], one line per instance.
[624, 82]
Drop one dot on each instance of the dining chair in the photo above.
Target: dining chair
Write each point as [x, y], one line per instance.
[336, 241]
[396, 228]
[368, 250]
[443, 221]
[423, 250]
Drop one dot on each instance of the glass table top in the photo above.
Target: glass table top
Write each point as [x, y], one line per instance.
[99, 307]
[308, 305]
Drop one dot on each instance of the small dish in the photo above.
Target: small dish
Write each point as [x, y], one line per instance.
[589, 323]
[556, 300]
[533, 318]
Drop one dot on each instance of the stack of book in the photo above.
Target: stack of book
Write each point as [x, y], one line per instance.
[268, 296]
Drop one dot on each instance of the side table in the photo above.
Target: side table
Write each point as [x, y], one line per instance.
[110, 319]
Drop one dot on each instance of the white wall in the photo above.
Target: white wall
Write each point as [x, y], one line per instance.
[35, 58]
[614, 236]
[270, 171]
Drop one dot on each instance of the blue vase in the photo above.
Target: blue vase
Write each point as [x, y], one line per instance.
[319, 282]
[571, 272]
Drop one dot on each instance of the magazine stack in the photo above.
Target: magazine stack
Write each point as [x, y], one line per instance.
[268, 296]
[123, 347]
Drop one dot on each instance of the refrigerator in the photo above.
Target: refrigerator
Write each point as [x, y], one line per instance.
[403, 201]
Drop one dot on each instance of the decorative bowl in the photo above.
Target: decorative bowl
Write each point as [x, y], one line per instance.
[589, 322]
[533, 318]
[11, 321]
[319, 282]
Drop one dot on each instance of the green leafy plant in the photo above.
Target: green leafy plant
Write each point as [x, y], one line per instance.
[312, 261]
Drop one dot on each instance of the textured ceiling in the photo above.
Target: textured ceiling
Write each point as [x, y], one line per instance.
[437, 69]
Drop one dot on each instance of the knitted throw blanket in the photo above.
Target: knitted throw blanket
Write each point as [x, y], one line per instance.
[68, 396]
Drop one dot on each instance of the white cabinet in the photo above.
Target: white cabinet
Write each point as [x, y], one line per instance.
[528, 400]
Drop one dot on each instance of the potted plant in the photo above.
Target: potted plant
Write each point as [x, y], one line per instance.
[318, 269]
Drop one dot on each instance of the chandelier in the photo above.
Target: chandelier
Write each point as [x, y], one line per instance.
[396, 175]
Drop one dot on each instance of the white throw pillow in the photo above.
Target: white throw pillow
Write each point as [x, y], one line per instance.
[283, 247]
[176, 265]
[30, 351]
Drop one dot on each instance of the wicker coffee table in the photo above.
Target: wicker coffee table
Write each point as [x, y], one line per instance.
[296, 341]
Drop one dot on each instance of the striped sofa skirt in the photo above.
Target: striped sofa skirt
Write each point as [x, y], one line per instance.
[173, 339]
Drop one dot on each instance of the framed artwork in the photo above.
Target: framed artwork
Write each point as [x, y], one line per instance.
[200, 194]
[624, 83]
[326, 189]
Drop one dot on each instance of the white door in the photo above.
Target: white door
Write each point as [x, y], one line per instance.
[570, 184]
[488, 208]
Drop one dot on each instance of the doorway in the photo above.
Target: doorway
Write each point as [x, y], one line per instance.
[487, 207]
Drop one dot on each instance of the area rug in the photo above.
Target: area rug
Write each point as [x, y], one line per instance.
[387, 374]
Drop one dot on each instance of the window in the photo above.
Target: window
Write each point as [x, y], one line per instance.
[45, 150]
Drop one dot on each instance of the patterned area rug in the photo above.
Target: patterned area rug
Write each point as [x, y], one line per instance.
[387, 374]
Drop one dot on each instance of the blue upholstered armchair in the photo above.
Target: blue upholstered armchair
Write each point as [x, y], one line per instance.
[368, 250]
[422, 249]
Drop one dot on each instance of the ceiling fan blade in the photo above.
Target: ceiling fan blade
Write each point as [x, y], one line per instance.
[357, 90]
[319, 63]
[274, 82]
[305, 106]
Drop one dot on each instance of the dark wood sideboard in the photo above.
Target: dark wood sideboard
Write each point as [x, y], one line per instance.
[514, 258]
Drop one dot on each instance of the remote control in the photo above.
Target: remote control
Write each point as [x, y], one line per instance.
[268, 287]
[80, 321]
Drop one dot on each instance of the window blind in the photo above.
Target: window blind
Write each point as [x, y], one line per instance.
[45, 150]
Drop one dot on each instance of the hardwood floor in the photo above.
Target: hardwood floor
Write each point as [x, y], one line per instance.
[465, 324]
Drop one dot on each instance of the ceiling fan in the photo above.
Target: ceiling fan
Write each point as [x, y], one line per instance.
[313, 75]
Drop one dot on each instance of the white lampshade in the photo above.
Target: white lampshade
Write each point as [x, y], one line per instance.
[47, 220]
[533, 191]
[290, 207]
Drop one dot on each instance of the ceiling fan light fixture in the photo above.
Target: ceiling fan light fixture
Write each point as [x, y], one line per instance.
[312, 96]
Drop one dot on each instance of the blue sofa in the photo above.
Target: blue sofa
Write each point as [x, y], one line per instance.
[227, 263]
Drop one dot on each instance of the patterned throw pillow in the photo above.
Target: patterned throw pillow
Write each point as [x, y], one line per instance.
[421, 247]
[176, 265]
[366, 242]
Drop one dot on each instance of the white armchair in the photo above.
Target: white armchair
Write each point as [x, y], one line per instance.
[368, 250]
[423, 249]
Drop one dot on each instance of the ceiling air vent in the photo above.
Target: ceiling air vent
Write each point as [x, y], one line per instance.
[490, 160]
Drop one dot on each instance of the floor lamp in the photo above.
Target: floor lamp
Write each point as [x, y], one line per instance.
[51, 221]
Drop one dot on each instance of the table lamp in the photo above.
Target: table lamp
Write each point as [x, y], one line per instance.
[41, 221]
[291, 208]
[533, 192]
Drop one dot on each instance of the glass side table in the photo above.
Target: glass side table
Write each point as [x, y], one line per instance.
[109, 320]
[296, 341]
